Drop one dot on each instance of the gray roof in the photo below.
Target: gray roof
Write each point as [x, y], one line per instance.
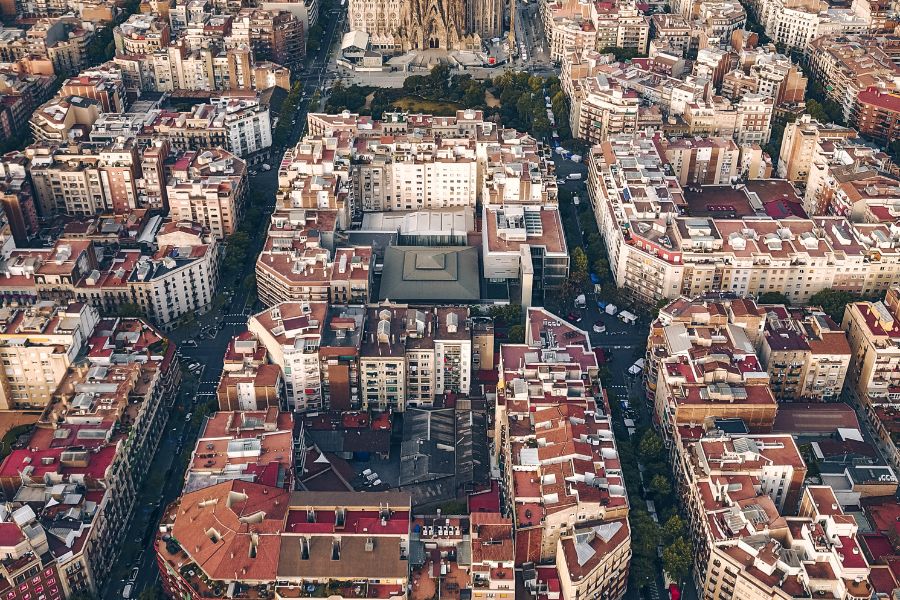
[426, 274]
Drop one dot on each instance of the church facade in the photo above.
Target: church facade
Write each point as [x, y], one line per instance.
[396, 26]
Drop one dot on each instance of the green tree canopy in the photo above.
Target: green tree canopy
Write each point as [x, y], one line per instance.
[773, 298]
[673, 529]
[677, 559]
[833, 302]
[579, 263]
[651, 446]
[516, 334]
[660, 485]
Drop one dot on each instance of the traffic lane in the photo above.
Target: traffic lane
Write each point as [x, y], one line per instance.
[181, 433]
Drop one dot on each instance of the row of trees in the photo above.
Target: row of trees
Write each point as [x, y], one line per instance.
[832, 302]
[521, 97]
[282, 133]
[644, 457]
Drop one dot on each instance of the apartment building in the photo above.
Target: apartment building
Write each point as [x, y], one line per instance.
[717, 20]
[275, 35]
[315, 175]
[805, 354]
[23, 571]
[873, 334]
[63, 41]
[176, 281]
[569, 25]
[548, 421]
[106, 86]
[17, 199]
[80, 472]
[410, 356]
[525, 245]
[240, 125]
[21, 92]
[302, 540]
[171, 282]
[141, 34]
[853, 180]
[291, 333]
[745, 544]
[57, 119]
[766, 73]
[601, 108]
[248, 381]
[878, 113]
[594, 559]
[670, 32]
[86, 178]
[493, 556]
[403, 173]
[339, 356]
[702, 161]
[773, 462]
[37, 345]
[208, 187]
[681, 241]
[516, 169]
[846, 65]
[702, 364]
[252, 446]
[871, 329]
[748, 121]
[799, 145]
[796, 23]
[308, 272]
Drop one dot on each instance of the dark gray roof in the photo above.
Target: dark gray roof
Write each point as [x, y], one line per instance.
[428, 449]
[431, 274]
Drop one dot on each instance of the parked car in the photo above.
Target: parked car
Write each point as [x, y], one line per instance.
[134, 574]
[126, 592]
[188, 416]
[574, 317]
[599, 327]
[190, 343]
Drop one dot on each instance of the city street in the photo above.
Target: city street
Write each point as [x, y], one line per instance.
[530, 33]
[164, 481]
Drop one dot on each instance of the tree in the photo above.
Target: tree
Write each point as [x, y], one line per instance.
[660, 486]
[644, 540]
[129, 310]
[677, 559]
[833, 302]
[673, 529]
[773, 298]
[579, 264]
[815, 109]
[651, 446]
[516, 334]
[313, 38]
[621, 54]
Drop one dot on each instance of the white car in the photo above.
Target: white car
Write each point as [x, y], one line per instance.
[187, 417]
[599, 327]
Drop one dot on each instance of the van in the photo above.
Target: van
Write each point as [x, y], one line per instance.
[126, 591]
